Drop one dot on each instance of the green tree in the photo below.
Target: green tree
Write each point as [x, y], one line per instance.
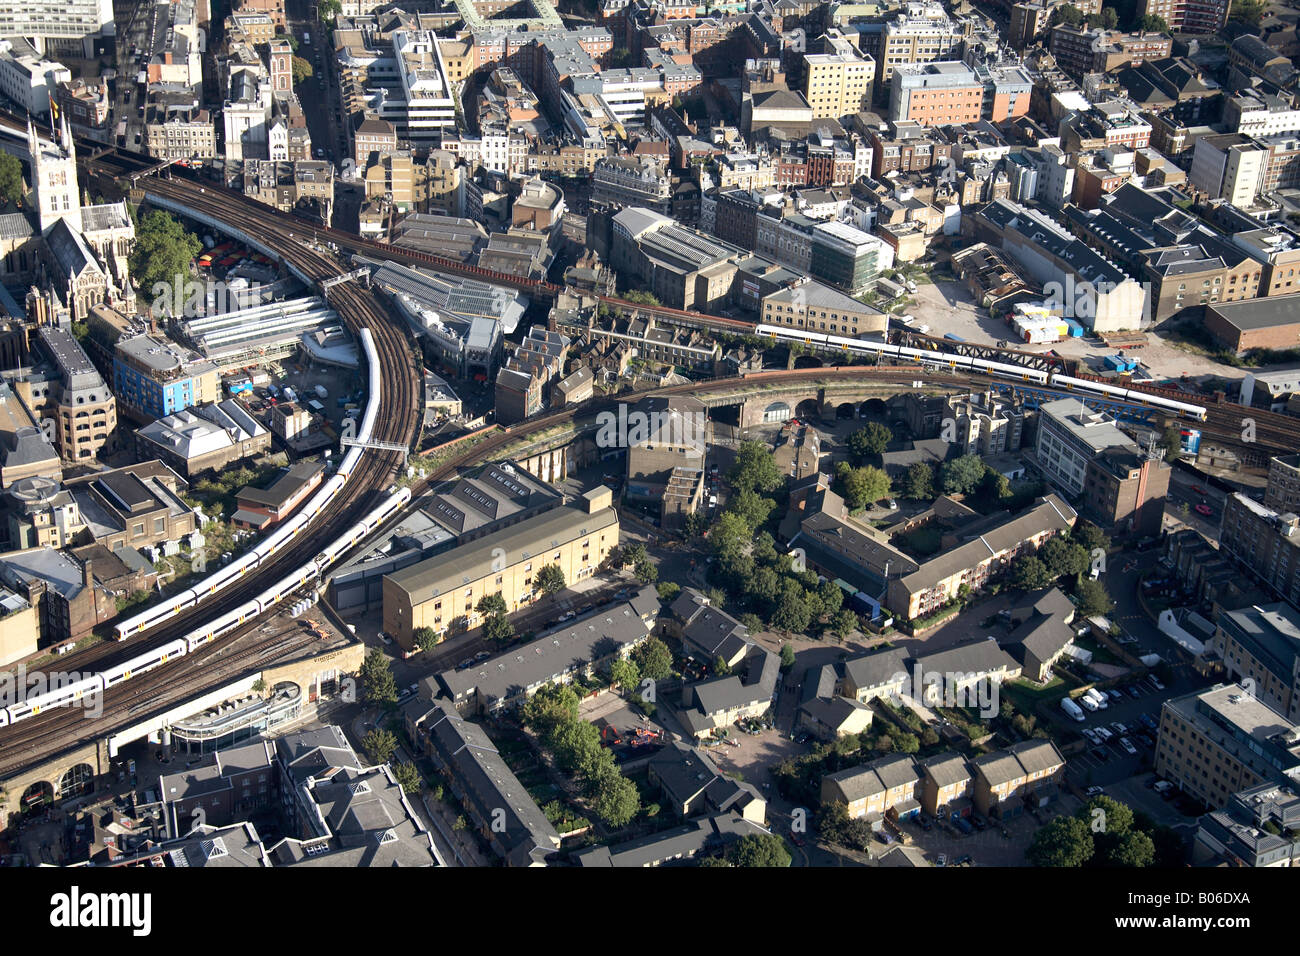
[861, 486]
[654, 659]
[160, 261]
[378, 685]
[632, 553]
[843, 623]
[1150, 23]
[302, 70]
[720, 666]
[1029, 573]
[551, 705]
[763, 849]
[1063, 842]
[1063, 556]
[668, 590]
[424, 638]
[11, 179]
[646, 573]
[752, 507]
[1069, 14]
[641, 298]
[962, 476]
[616, 800]
[624, 673]
[498, 630]
[994, 490]
[409, 777]
[379, 745]
[787, 657]
[490, 604]
[1249, 12]
[870, 440]
[1109, 18]
[918, 483]
[550, 579]
[1093, 598]
[1172, 442]
[1090, 537]
[755, 469]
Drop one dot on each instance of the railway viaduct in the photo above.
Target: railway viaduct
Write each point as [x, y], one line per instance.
[86, 768]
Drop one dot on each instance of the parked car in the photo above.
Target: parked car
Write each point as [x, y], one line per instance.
[964, 860]
[1155, 682]
[465, 664]
[941, 860]
[1100, 753]
[1115, 694]
[884, 837]
[1134, 692]
[924, 822]
[1148, 722]
[1127, 745]
[1119, 728]
[482, 655]
[1093, 792]
[978, 821]
[1091, 735]
[964, 825]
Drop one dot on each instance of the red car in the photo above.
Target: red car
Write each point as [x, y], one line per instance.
[1199, 490]
[1204, 510]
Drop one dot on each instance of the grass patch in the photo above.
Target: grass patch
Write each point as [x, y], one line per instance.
[1026, 696]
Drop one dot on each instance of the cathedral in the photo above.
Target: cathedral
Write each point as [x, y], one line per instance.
[73, 257]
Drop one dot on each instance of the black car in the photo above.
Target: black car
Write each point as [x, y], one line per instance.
[979, 822]
[924, 822]
[1100, 753]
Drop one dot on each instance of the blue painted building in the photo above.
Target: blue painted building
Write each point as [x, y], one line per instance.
[156, 377]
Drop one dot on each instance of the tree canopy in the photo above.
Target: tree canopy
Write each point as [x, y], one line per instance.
[962, 476]
[550, 579]
[760, 849]
[918, 483]
[11, 179]
[863, 486]
[377, 682]
[654, 659]
[754, 469]
[870, 440]
[160, 261]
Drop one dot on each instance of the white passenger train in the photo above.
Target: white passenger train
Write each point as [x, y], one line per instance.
[283, 534]
[997, 369]
[71, 694]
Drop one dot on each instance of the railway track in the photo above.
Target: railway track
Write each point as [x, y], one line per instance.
[396, 424]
